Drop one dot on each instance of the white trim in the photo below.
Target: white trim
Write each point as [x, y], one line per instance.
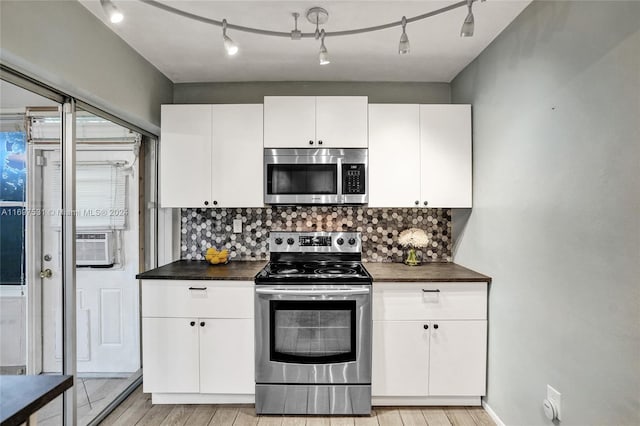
[201, 398]
[426, 400]
[492, 414]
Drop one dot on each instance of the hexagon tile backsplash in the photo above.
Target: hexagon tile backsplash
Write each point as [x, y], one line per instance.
[203, 228]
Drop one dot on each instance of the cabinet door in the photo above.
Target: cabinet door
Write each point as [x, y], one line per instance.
[185, 156]
[394, 155]
[400, 363]
[341, 121]
[289, 121]
[458, 356]
[237, 163]
[445, 134]
[170, 355]
[227, 356]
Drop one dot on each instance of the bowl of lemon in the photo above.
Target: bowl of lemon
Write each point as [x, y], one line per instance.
[217, 257]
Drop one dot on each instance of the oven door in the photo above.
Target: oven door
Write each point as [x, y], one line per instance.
[303, 176]
[313, 334]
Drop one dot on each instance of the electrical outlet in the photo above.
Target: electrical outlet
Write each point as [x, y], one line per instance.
[556, 398]
[237, 226]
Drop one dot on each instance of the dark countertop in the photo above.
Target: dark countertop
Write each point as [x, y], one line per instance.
[21, 396]
[201, 270]
[435, 271]
[246, 271]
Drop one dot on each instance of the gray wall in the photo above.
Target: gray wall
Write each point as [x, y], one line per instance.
[62, 44]
[253, 92]
[556, 210]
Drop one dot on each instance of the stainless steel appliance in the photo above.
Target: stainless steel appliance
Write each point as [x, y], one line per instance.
[315, 176]
[313, 326]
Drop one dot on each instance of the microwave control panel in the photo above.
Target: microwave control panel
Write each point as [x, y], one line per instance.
[353, 179]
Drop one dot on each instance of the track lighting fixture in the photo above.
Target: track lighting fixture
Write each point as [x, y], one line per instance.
[468, 24]
[403, 46]
[115, 16]
[229, 45]
[315, 15]
[323, 56]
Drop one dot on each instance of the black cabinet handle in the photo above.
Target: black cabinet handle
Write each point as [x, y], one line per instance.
[202, 324]
[197, 288]
[215, 203]
[192, 323]
[437, 290]
[426, 326]
[206, 203]
[425, 203]
[310, 142]
[319, 142]
[417, 202]
[435, 326]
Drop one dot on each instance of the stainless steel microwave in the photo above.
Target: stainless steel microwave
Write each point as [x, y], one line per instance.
[315, 176]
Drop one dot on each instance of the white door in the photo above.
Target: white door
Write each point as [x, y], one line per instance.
[170, 356]
[400, 358]
[445, 134]
[394, 155]
[237, 163]
[227, 368]
[458, 356]
[185, 156]
[107, 311]
[341, 121]
[289, 121]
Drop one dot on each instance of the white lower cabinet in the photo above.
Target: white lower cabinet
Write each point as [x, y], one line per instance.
[432, 352]
[198, 341]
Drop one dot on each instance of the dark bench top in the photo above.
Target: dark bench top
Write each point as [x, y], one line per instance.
[21, 396]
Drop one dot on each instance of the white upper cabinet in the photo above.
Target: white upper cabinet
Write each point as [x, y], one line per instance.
[419, 155]
[185, 156]
[394, 160]
[445, 139]
[315, 121]
[237, 156]
[341, 121]
[211, 156]
[289, 121]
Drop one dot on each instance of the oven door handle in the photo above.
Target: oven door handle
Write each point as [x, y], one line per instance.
[313, 292]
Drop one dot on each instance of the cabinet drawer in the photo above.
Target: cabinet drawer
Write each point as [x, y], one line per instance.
[410, 301]
[209, 299]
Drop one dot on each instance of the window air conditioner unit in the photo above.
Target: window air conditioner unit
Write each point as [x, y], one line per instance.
[95, 249]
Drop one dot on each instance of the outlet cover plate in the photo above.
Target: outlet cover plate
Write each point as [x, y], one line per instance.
[556, 398]
[237, 226]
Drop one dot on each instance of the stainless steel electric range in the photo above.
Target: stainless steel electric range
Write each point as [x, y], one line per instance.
[313, 326]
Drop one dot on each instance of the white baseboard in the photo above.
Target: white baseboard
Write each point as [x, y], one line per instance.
[492, 414]
[201, 398]
[425, 400]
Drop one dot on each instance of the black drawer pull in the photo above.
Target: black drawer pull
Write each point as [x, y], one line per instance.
[197, 288]
[202, 324]
[435, 326]
[192, 323]
[424, 290]
[426, 326]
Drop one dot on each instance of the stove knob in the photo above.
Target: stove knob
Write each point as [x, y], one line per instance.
[278, 241]
[290, 241]
[340, 241]
[352, 241]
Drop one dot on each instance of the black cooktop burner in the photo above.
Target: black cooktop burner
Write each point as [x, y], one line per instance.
[334, 271]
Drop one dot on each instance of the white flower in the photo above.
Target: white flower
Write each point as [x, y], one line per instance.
[413, 237]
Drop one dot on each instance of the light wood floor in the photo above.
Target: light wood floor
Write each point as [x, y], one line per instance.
[137, 410]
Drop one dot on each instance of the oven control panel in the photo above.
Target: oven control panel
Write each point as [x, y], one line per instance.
[323, 242]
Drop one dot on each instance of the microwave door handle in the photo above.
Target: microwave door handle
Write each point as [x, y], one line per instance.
[339, 183]
[312, 292]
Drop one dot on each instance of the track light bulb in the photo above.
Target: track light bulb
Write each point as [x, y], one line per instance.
[229, 45]
[403, 46]
[468, 24]
[323, 56]
[115, 16]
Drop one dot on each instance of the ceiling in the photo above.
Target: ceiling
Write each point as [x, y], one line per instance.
[190, 51]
